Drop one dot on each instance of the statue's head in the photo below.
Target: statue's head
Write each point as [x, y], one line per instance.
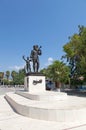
[27, 58]
[35, 47]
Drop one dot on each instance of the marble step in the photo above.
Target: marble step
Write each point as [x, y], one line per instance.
[60, 111]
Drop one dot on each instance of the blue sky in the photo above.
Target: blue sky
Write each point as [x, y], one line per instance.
[49, 23]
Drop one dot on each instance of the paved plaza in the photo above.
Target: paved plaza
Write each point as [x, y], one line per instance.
[10, 120]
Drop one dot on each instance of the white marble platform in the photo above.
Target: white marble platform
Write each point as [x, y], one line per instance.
[43, 96]
[19, 122]
[70, 110]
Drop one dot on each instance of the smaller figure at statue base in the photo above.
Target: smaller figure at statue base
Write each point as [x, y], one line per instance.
[27, 66]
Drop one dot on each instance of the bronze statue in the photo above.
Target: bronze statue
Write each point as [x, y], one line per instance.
[35, 57]
[28, 66]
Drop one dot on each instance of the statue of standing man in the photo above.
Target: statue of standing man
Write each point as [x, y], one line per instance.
[34, 56]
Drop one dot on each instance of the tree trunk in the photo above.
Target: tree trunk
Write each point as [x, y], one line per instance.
[58, 86]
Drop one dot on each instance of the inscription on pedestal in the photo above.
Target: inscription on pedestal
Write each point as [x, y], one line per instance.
[35, 82]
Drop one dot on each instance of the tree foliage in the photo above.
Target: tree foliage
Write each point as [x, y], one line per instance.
[1, 77]
[57, 72]
[18, 77]
[75, 53]
[13, 74]
[7, 74]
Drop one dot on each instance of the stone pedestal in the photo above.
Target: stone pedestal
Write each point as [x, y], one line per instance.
[34, 82]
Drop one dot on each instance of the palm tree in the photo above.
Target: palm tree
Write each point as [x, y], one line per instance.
[7, 74]
[13, 74]
[58, 72]
[1, 76]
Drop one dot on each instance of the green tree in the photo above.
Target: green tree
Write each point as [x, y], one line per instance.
[13, 74]
[7, 74]
[58, 72]
[1, 76]
[75, 53]
[44, 71]
[6, 82]
[18, 79]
